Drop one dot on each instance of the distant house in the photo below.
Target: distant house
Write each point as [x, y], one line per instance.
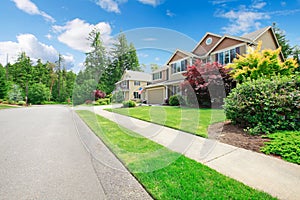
[211, 48]
[132, 84]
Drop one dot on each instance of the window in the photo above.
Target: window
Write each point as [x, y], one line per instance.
[208, 41]
[137, 83]
[175, 90]
[157, 76]
[136, 95]
[179, 66]
[124, 84]
[232, 55]
[227, 56]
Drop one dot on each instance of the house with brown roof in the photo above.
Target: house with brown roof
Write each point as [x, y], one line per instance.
[211, 48]
[132, 84]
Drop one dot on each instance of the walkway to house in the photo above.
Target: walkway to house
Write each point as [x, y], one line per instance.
[272, 175]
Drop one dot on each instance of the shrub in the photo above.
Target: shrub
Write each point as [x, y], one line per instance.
[129, 104]
[37, 93]
[21, 103]
[264, 106]
[99, 94]
[259, 63]
[11, 102]
[105, 101]
[285, 144]
[1, 100]
[5, 102]
[176, 100]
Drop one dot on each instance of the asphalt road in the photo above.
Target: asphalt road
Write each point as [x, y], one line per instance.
[47, 152]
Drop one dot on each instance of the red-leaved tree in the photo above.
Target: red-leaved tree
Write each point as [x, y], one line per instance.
[98, 94]
[206, 84]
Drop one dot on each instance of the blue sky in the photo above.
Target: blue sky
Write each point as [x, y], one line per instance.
[157, 27]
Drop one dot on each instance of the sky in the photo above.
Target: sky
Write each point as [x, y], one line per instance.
[43, 29]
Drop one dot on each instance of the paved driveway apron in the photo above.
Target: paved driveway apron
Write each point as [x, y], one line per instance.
[42, 157]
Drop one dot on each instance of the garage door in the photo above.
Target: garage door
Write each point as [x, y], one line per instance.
[156, 96]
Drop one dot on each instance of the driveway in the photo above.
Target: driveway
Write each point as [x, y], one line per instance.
[46, 152]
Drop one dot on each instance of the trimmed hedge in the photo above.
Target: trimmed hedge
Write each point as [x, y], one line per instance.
[129, 104]
[265, 106]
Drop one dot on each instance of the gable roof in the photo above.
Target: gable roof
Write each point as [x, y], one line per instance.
[136, 76]
[208, 33]
[256, 34]
[248, 41]
[188, 54]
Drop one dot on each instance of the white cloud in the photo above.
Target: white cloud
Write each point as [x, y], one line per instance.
[157, 59]
[48, 36]
[283, 3]
[169, 13]
[142, 55]
[243, 21]
[150, 2]
[75, 33]
[217, 2]
[30, 8]
[149, 39]
[109, 5]
[258, 4]
[29, 44]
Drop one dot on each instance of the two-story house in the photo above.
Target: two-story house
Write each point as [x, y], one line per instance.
[132, 84]
[211, 48]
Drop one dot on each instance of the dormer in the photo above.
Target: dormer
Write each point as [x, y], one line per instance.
[206, 44]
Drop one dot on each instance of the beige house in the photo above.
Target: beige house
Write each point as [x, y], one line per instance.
[211, 48]
[132, 84]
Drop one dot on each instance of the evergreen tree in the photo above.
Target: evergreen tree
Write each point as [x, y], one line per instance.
[123, 57]
[286, 49]
[3, 83]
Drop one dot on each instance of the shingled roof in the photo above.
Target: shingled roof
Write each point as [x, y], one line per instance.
[256, 34]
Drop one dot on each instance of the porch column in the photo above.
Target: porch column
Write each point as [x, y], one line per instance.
[167, 92]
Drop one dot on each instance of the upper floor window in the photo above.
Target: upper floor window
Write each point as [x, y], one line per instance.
[157, 76]
[137, 83]
[179, 66]
[226, 57]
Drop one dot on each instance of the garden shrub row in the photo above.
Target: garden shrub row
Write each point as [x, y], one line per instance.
[129, 104]
[265, 106]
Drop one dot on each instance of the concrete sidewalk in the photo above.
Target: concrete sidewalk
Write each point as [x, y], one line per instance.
[274, 176]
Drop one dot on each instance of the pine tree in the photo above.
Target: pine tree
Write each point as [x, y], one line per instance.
[3, 83]
[286, 49]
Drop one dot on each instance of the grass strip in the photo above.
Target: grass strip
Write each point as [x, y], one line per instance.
[176, 176]
[176, 117]
[6, 106]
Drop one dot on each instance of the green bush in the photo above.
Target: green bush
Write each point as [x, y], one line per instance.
[21, 103]
[15, 93]
[129, 104]
[11, 102]
[1, 100]
[176, 100]
[105, 101]
[38, 93]
[5, 102]
[285, 144]
[265, 106]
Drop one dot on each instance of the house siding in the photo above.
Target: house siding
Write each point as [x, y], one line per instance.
[226, 43]
[268, 41]
[202, 48]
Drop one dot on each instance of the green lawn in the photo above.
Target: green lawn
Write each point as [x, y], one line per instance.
[191, 120]
[2, 106]
[166, 174]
